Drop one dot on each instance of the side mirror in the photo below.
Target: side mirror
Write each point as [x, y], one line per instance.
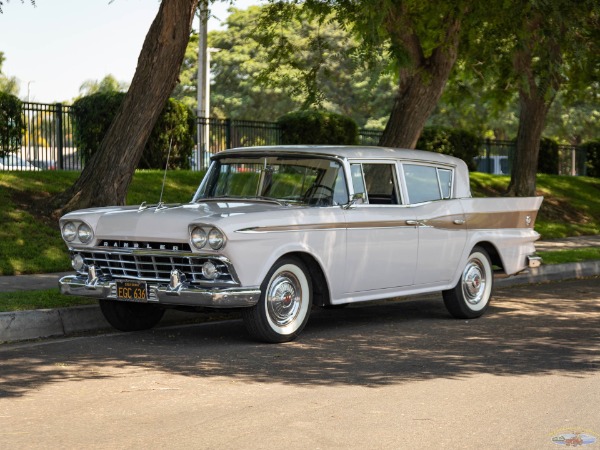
[358, 198]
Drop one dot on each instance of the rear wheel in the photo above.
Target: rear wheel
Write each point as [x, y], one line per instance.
[284, 305]
[125, 316]
[471, 297]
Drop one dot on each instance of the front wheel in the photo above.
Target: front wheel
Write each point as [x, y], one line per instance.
[126, 316]
[284, 305]
[471, 297]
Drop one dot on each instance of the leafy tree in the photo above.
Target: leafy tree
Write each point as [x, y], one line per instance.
[108, 84]
[247, 84]
[11, 123]
[105, 179]
[422, 40]
[537, 48]
[22, 1]
[575, 119]
[8, 85]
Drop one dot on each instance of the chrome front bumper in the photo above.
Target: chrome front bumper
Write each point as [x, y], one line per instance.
[183, 294]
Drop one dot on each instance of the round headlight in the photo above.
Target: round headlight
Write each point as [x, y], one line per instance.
[209, 270]
[78, 262]
[198, 237]
[216, 240]
[69, 231]
[84, 233]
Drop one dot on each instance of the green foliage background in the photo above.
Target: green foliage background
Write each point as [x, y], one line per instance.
[317, 127]
[592, 149]
[459, 143]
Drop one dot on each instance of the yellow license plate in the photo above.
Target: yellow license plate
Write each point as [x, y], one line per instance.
[133, 291]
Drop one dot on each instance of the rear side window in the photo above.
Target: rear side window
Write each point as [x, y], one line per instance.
[377, 181]
[427, 183]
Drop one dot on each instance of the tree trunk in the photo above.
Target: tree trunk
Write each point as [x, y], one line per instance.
[532, 118]
[535, 98]
[421, 85]
[106, 177]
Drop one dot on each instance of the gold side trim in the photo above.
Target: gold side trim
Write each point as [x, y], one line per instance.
[514, 219]
[472, 221]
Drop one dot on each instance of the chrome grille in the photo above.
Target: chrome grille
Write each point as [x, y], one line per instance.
[151, 266]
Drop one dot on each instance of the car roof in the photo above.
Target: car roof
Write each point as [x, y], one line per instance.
[461, 175]
[350, 152]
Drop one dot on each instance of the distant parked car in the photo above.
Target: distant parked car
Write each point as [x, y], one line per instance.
[14, 162]
[44, 164]
[496, 165]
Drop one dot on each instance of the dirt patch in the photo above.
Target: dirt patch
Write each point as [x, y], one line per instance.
[560, 210]
[36, 204]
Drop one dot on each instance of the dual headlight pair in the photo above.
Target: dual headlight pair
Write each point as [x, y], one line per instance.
[77, 230]
[213, 237]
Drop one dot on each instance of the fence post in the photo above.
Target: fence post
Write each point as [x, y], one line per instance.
[488, 154]
[228, 133]
[59, 135]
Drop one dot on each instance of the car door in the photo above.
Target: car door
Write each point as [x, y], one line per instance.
[440, 221]
[382, 241]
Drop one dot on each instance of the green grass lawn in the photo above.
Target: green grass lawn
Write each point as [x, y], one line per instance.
[570, 255]
[42, 299]
[29, 244]
[571, 205]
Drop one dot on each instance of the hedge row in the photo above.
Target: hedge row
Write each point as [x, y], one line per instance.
[175, 129]
[317, 128]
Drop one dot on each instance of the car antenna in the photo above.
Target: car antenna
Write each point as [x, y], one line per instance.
[162, 189]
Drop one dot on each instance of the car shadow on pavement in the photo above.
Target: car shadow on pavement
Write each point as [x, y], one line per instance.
[527, 331]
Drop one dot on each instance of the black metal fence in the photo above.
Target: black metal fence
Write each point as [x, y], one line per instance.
[48, 143]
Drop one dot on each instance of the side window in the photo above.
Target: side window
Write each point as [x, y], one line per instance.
[340, 191]
[426, 183]
[445, 177]
[377, 181]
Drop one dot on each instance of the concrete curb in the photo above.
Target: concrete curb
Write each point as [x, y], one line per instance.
[43, 323]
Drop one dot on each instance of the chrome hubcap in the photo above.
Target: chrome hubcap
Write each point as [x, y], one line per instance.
[284, 298]
[474, 282]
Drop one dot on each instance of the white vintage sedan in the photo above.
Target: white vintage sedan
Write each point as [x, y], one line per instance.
[275, 231]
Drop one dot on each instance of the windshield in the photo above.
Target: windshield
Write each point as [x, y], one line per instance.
[285, 179]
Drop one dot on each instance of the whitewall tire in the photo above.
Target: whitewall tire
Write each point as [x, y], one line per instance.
[471, 296]
[284, 305]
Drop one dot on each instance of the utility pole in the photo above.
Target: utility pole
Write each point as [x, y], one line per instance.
[203, 85]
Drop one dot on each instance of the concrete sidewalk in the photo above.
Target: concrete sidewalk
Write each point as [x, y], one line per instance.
[22, 325]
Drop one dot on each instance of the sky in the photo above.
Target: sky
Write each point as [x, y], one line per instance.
[54, 47]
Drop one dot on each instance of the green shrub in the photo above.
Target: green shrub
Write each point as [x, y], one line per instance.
[92, 115]
[458, 143]
[592, 160]
[11, 123]
[317, 127]
[548, 159]
[175, 128]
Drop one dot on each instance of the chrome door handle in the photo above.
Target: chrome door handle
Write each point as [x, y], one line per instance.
[458, 222]
[413, 223]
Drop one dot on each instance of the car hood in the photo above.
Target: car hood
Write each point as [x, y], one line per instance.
[170, 223]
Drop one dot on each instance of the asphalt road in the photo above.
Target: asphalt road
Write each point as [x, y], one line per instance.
[398, 376]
